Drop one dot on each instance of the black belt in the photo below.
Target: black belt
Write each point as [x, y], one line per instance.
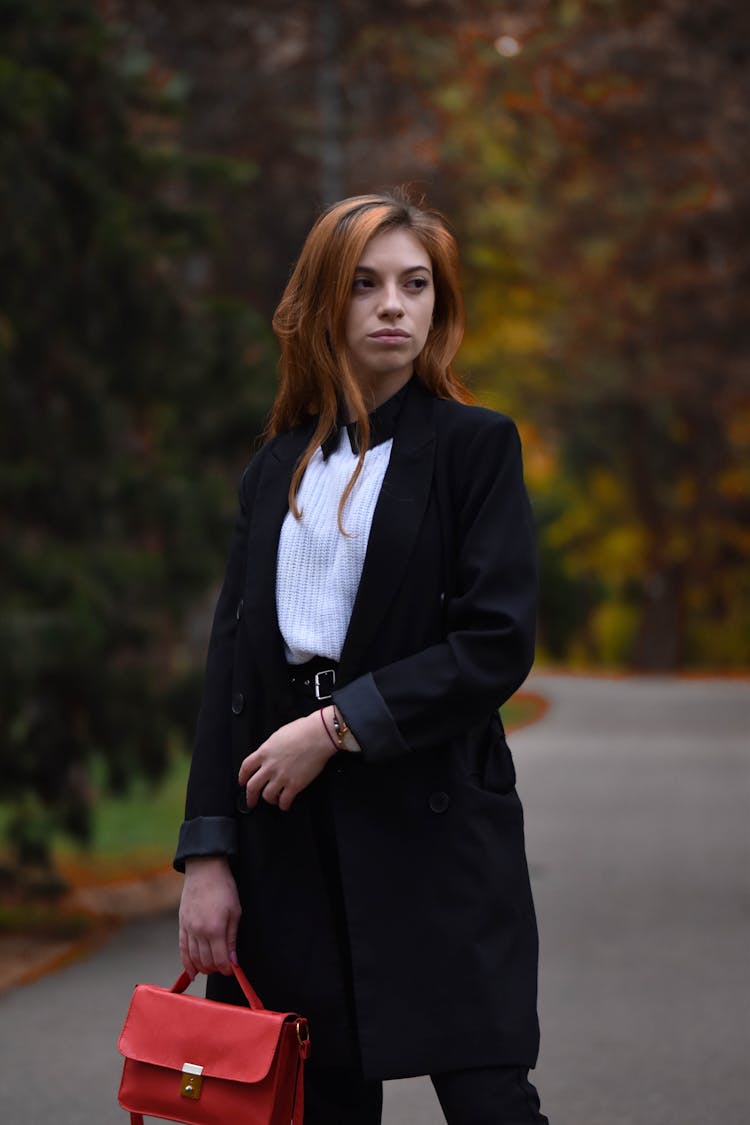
[314, 679]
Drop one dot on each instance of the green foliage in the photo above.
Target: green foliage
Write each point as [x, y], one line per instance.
[126, 388]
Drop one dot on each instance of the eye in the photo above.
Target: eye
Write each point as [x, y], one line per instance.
[417, 283]
[361, 283]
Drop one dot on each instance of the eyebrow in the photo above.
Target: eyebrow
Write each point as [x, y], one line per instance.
[409, 269]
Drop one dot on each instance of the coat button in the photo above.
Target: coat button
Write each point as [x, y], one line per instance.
[240, 608]
[439, 802]
[238, 703]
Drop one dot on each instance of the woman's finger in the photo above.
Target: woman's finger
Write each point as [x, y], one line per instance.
[286, 797]
[257, 783]
[186, 959]
[200, 954]
[271, 793]
[252, 763]
[233, 921]
[219, 954]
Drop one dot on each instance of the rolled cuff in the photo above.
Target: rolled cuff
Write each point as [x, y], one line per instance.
[206, 835]
[370, 720]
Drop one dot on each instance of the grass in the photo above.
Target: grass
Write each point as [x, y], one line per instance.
[133, 835]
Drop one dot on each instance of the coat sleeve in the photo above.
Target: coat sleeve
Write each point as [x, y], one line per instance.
[210, 825]
[434, 695]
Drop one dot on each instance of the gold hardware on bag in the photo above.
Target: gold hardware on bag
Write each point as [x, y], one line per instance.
[190, 1086]
[303, 1033]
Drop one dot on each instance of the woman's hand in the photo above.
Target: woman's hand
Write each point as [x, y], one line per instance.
[209, 916]
[288, 761]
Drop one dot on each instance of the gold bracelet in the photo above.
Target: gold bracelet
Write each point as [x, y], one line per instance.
[340, 726]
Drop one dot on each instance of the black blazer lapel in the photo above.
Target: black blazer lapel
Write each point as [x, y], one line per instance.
[396, 522]
[269, 509]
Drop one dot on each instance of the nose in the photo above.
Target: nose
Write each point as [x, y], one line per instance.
[391, 304]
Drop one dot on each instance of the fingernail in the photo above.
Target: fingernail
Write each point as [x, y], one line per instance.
[233, 958]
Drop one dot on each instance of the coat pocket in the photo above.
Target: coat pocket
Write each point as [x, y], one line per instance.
[499, 773]
[490, 763]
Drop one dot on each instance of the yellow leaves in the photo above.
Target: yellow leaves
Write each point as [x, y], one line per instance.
[505, 324]
[718, 618]
[453, 98]
[541, 465]
[506, 334]
[598, 532]
[733, 482]
[613, 629]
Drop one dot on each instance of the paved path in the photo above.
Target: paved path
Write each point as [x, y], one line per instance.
[636, 796]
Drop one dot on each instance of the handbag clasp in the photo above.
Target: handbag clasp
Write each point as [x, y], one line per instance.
[190, 1086]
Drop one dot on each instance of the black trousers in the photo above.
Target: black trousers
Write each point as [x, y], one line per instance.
[500, 1095]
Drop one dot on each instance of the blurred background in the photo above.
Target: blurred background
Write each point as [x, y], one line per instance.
[160, 165]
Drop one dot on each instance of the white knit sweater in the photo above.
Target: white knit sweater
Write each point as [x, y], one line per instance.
[318, 568]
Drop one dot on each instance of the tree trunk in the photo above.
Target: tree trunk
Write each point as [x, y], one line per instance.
[659, 644]
[329, 104]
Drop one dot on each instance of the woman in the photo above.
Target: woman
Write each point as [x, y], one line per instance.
[353, 835]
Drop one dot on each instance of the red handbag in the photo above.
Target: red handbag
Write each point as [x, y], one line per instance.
[201, 1062]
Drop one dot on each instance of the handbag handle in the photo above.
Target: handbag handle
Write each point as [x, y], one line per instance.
[251, 995]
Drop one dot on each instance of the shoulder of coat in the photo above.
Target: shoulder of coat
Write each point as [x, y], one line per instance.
[279, 446]
[256, 461]
[251, 472]
[467, 420]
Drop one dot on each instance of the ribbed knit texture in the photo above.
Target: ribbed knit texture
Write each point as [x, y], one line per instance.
[318, 568]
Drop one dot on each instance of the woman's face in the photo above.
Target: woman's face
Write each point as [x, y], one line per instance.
[389, 313]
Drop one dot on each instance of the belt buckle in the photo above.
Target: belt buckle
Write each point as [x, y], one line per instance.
[320, 695]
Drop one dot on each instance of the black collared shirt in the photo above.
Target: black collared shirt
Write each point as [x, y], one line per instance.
[383, 422]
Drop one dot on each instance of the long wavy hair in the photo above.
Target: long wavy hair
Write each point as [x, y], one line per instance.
[310, 321]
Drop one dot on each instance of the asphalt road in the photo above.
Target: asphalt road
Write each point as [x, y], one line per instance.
[636, 795]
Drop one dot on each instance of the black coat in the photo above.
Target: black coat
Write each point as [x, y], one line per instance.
[428, 823]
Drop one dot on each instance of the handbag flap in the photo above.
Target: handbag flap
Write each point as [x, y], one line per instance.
[169, 1029]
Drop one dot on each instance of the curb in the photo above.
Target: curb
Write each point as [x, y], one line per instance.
[25, 958]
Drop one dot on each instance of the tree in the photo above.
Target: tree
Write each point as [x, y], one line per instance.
[590, 154]
[126, 386]
[321, 95]
[606, 138]
[653, 104]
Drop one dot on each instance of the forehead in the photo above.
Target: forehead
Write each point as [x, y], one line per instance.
[395, 249]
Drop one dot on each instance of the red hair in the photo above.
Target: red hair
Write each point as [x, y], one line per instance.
[310, 320]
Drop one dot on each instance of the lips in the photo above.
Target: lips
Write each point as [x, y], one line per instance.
[389, 334]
